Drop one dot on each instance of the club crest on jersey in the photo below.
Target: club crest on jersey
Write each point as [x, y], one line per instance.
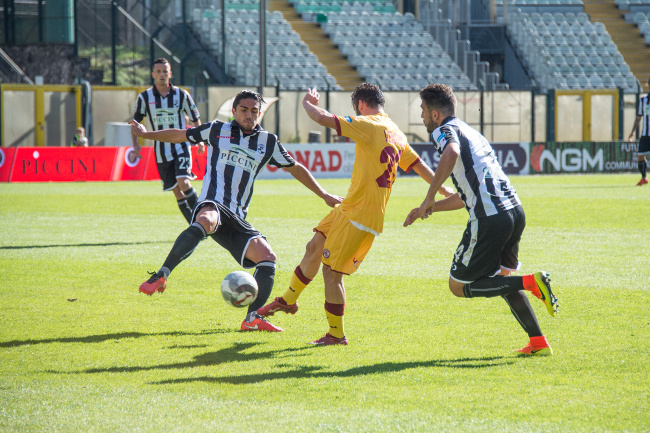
[348, 119]
[326, 253]
[261, 148]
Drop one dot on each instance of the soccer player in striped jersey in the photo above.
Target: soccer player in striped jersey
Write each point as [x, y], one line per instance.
[488, 251]
[237, 153]
[344, 237]
[166, 107]
[642, 117]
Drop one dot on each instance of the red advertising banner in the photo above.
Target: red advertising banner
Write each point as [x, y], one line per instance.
[199, 162]
[63, 164]
[127, 166]
[150, 167]
[6, 160]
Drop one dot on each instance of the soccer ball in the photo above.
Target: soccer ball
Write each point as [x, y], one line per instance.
[239, 289]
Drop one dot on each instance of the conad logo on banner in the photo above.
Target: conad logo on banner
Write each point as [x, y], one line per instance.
[322, 160]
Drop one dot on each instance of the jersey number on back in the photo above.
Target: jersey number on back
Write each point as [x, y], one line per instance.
[388, 177]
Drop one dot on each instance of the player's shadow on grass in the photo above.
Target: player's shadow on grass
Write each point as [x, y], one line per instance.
[107, 337]
[235, 353]
[311, 372]
[98, 244]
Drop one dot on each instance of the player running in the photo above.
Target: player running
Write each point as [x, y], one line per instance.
[237, 153]
[344, 237]
[488, 252]
[166, 107]
[642, 115]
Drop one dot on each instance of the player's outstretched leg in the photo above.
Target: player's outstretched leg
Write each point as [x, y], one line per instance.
[278, 304]
[157, 283]
[185, 244]
[287, 303]
[540, 286]
[265, 276]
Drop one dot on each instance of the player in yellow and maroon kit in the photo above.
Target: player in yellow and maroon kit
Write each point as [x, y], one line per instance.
[344, 237]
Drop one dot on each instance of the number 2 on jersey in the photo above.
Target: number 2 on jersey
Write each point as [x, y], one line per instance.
[388, 177]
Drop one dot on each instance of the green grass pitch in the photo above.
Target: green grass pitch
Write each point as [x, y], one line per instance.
[81, 350]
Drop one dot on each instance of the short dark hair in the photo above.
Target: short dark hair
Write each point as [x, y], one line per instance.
[161, 61]
[369, 93]
[439, 97]
[247, 94]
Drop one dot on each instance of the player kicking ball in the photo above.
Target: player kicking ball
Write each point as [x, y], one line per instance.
[344, 237]
[488, 252]
[237, 152]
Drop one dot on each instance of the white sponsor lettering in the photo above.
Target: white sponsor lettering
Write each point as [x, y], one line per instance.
[572, 160]
[240, 160]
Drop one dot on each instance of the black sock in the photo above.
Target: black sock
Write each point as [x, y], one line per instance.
[523, 312]
[493, 286]
[185, 208]
[643, 168]
[185, 244]
[264, 275]
[190, 196]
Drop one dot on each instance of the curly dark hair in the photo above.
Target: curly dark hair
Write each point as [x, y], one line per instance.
[439, 97]
[371, 94]
[247, 94]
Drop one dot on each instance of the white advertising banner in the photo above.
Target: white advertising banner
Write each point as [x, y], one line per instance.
[322, 160]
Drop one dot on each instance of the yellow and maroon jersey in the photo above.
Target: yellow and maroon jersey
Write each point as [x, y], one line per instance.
[380, 148]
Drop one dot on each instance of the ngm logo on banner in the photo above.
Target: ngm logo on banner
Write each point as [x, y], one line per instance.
[590, 157]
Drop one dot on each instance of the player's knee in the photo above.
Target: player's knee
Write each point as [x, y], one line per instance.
[456, 288]
[209, 221]
[314, 248]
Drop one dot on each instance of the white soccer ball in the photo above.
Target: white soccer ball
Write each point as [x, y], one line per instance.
[239, 289]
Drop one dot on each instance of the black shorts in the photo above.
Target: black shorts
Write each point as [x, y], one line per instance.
[488, 245]
[233, 233]
[644, 146]
[180, 166]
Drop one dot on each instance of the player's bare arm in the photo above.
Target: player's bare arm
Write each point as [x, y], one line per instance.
[302, 175]
[425, 172]
[637, 121]
[166, 135]
[445, 167]
[136, 146]
[201, 144]
[315, 113]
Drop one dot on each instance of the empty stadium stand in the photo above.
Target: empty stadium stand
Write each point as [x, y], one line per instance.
[568, 51]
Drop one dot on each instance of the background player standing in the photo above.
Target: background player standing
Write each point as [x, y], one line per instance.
[488, 252]
[237, 153]
[166, 107]
[344, 237]
[642, 114]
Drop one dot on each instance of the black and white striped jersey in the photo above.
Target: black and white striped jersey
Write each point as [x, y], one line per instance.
[234, 161]
[644, 110]
[477, 175]
[166, 112]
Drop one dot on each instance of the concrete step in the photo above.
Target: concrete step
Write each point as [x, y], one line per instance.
[627, 37]
[319, 44]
